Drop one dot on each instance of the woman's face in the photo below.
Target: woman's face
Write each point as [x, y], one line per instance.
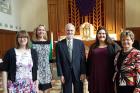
[101, 35]
[41, 31]
[22, 41]
[127, 42]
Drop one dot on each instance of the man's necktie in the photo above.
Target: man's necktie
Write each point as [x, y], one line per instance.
[70, 49]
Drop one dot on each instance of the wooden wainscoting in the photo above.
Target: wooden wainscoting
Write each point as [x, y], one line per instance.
[136, 31]
[7, 41]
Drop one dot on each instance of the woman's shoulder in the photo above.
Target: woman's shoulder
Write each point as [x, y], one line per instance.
[12, 50]
[135, 51]
[9, 53]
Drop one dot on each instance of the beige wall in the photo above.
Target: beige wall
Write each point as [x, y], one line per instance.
[25, 15]
[132, 13]
[33, 13]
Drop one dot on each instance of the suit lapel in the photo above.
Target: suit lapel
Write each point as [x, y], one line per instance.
[74, 49]
[66, 49]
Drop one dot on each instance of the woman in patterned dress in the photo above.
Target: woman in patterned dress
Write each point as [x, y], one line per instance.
[42, 46]
[20, 67]
[127, 65]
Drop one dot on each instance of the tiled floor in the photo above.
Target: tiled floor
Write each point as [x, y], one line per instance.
[57, 87]
[57, 84]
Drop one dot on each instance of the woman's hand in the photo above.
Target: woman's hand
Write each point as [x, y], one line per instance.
[114, 76]
[82, 77]
[136, 90]
[36, 86]
[4, 81]
[62, 79]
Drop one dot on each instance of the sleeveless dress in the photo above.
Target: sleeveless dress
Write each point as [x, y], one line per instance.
[23, 82]
[44, 71]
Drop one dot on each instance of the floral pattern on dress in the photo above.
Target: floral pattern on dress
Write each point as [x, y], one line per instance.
[130, 69]
[23, 82]
[22, 86]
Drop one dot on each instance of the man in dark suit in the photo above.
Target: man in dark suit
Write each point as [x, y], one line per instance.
[70, 59]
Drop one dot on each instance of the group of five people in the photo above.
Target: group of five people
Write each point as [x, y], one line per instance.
[108, 68]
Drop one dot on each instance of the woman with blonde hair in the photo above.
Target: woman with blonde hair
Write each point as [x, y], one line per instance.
[43, 47]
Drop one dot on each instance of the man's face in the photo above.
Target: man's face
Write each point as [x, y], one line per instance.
[70, 31]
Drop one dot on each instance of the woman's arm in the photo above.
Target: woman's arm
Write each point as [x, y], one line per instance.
[137, 65]
[36, 84]
[4, 81]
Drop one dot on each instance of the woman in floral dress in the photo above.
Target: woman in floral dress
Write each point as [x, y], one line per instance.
[127, 65]
[43, 48]
[20, 66]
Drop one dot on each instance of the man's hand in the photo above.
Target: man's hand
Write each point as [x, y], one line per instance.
[62, 79]
[82, 77]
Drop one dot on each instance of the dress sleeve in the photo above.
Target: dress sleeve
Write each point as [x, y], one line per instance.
[6, 61]
[116, 48]
[58, 60]
[137, 65]
[88, 63]
[83, 59]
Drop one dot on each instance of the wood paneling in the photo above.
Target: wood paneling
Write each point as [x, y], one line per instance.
[109, 7]
[7, 41]
[52, 14]
[57, 11]
[114, 16]
[136, 31]
[120, 16]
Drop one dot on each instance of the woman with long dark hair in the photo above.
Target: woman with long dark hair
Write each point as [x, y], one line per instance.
[100, 67]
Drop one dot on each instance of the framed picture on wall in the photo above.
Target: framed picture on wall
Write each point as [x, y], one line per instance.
[5, 6]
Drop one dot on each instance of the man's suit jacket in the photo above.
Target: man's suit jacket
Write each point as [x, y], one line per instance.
[64, 66]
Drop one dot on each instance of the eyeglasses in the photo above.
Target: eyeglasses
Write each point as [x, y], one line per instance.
[70, 30]
[102, 33]
[23, 37]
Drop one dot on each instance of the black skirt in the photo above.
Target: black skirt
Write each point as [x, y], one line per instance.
[125, 89]
[43, 87]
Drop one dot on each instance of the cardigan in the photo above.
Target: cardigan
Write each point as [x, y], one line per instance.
[9, 64]
[129, 70]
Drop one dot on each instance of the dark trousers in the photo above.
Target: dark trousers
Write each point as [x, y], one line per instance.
[125, 89]
[77, 84]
